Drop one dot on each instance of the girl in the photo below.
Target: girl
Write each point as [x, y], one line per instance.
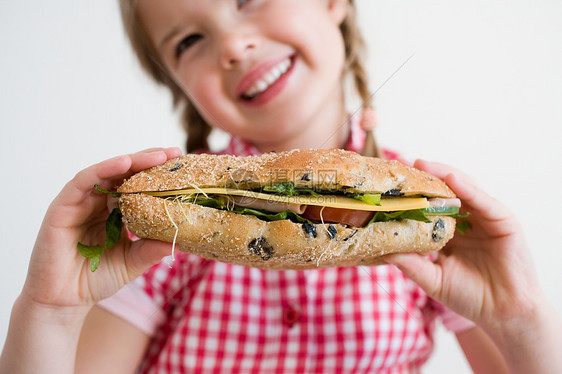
[270, 73]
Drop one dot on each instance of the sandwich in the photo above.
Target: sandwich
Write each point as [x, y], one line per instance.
[300, 209]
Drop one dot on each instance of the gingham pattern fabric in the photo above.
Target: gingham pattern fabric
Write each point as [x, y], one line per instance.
[208, 316]
[232, 319]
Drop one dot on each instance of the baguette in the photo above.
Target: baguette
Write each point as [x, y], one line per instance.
[247, 240]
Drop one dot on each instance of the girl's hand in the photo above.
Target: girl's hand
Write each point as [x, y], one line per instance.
[58, 275]
[486, 275]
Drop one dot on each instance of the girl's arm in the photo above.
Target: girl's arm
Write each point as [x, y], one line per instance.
[41, 338]
[487, 275]
[60, 289]
[481, 353]
[104, 335]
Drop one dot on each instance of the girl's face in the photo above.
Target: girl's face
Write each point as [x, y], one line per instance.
[265, 70]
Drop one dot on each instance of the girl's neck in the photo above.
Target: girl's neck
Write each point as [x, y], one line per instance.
[328, 128]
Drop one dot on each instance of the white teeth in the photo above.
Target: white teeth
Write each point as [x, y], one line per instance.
[271, 77]
[276, 72]
[262, 85]
[268, 78]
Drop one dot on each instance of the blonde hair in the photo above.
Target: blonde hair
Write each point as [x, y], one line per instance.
[196, 127]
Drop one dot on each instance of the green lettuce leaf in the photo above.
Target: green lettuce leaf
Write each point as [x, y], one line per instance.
[210, 203]
[267, 216]
[106, 192]
[289, 189]
[368, 198]
[441, 210]
[463, 226]
[113, 228]
[416, 215]
[262, 214]
[285, 188]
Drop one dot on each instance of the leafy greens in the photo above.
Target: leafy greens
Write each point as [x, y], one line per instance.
[113, 228]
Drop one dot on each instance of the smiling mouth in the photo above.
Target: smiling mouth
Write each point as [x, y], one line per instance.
[269, 78]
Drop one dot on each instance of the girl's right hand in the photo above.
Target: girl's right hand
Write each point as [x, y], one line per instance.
[58, 276]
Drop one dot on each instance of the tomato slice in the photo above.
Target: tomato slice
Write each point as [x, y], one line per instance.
[350, 217]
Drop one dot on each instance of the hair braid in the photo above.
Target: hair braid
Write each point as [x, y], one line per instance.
[354, 52]
[198, 130]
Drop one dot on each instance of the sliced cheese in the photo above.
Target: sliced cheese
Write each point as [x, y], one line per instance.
[333, 201]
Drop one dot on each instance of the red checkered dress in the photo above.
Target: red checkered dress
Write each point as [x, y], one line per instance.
[207, 316]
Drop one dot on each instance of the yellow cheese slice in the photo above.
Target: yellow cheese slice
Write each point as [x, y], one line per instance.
[388, 204]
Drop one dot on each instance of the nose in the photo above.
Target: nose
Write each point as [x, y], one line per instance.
[236, 45]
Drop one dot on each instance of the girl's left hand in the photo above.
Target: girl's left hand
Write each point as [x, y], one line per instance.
[486, 275]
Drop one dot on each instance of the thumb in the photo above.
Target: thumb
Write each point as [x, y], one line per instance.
[420, 269]
[145, 253]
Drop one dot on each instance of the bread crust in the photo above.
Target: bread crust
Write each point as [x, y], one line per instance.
[247, 240]
[324, 169]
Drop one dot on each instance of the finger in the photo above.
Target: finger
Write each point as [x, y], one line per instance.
[81, 186]
[145, 160]
[171, 152]
[476, 199]
[150, 150]
[419, 269]
[493, 217]
[473, 198]
[121, 166]
[109, 172]
[144, 254]
[142, 161]
[440, 170]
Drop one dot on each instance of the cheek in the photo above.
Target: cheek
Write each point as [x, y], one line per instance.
[322, 48]
[196, 82]
[210, 100]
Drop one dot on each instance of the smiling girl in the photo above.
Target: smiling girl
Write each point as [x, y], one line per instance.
[270, 73]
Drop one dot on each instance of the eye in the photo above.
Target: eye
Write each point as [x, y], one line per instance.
[241, 3]
[187, 42]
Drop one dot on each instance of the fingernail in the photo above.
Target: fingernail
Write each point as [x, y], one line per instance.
[175, 150]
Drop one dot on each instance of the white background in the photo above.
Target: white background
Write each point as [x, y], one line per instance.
[483, 92]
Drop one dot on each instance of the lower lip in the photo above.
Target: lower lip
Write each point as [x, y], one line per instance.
[273, 90]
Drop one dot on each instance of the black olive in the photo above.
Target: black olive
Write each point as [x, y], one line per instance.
[305, 177]
[332, 231]
[262, 248]
[395, 234]
[438, 233]
[310, 230]
[176, 167]
[393, 192]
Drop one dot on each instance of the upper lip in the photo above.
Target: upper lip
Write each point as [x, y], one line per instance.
[257, 73]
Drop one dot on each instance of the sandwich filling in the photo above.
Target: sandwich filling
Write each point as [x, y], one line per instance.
[285, 201]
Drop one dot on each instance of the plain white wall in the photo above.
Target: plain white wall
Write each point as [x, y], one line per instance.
[483, 92]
